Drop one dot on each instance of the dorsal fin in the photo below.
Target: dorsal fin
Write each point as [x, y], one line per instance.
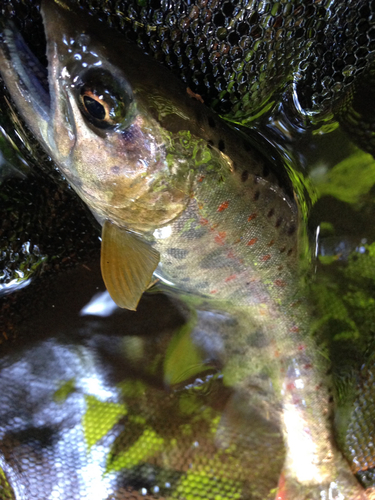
[127, 264]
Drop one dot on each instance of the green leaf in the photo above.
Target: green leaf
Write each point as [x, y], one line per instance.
[349, 180]
[148, 445]
[64, 391]
[99, 418]
[183, 359]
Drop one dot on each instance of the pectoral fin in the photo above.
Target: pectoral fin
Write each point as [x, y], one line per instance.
[127, 264]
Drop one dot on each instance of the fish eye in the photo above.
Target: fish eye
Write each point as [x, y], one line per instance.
[103, 101]
[96, 109]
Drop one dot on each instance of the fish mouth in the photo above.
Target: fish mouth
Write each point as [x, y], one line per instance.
[32, 75]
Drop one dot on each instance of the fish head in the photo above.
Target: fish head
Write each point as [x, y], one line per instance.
[94, 121]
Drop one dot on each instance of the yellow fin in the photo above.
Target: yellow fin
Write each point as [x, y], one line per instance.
[127, 264]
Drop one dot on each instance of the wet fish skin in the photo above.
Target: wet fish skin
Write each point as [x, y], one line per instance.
[169, 170]
[162, 112]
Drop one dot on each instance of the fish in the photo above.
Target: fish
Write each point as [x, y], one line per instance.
[184, 198]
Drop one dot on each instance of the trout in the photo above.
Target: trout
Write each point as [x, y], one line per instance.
[183, 197]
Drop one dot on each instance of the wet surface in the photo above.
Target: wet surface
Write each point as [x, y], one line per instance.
[101, 403]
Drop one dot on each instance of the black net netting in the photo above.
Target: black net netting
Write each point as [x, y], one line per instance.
[240, 55]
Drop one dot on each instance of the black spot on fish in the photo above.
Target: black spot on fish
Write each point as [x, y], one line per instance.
[266, 170]
[115, 170]
[211, 122]
[210, 142]
[330, 399]
[282, 250]
[244, 176]
[278, 222]
[256, 195]
[290, 251]
[291, 229]
[271, 212]
[177, 253]
[221, 145]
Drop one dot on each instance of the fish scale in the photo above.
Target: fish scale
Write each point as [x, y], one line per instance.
[267, 244]
[157, 180]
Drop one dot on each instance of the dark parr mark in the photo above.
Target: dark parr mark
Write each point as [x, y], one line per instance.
[271, 212]
[177, 253]
[244, 176]
[278, 222]
[221, 145]
[211, 122]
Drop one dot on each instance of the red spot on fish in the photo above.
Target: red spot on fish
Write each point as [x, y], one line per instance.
[308, 366]
[252, 241]
[295, 329]
[213, 291]
[281, 493]
[251, 217]
[291, 386]
[219, 238]
[204, 222]
[230, 255]
[230, 278]
[223, 206]
[201, 178]
[266, 257]
[279, 283]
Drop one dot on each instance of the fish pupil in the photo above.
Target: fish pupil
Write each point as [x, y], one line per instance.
[94, 108]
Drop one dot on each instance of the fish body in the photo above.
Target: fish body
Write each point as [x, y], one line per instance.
[182, 195]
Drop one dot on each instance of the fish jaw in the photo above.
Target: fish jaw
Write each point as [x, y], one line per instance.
[123, 172]
[30, 97]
